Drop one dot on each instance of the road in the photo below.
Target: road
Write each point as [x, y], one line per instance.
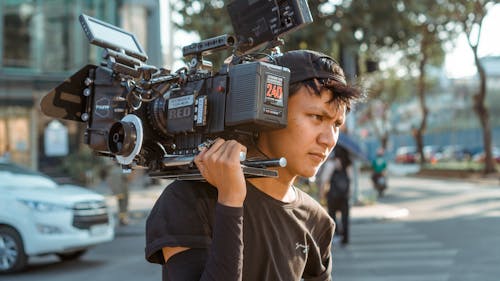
[452, 233]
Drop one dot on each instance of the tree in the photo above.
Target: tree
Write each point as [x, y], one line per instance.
[470, 14]
[208, 18]
[420, 44]
[353, 24]
[385, 89]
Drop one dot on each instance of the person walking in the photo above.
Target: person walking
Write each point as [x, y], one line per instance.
[119, 185]
[339, 193]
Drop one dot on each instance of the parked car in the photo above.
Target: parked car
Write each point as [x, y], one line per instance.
[39, 217]
[433, 153]
[481, 155]
[406, 154]
[456, 153]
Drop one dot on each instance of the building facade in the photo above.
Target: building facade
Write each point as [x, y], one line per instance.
[41, 44]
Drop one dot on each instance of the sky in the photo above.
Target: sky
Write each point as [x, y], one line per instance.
[458, 63]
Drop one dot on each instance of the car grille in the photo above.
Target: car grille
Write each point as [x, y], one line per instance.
[89, 213]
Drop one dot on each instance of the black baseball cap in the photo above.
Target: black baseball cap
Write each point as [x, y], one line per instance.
[304, 65]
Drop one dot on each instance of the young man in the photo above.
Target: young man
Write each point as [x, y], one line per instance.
[232, 228]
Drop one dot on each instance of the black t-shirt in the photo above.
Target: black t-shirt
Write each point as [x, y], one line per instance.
[281, 241]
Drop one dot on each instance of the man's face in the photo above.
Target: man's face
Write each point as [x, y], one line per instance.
[311, 134]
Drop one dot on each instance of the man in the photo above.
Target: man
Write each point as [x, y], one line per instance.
[339, 192]
[233, 228]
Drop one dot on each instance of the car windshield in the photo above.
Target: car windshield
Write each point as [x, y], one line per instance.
[16, 176]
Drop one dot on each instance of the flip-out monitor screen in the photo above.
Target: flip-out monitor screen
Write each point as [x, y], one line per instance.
[109, 36]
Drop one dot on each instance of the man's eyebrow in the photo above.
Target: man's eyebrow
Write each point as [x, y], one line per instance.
[328, 114]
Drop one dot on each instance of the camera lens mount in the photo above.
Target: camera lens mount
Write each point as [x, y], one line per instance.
[125, 138]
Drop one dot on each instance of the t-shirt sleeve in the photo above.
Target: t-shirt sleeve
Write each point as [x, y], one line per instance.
[181, 217]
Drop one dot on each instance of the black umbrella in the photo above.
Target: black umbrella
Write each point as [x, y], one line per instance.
[352, 146]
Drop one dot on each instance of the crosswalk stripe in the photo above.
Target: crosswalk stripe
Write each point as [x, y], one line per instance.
[389, 238]
[405, 254]
[384, 264]
[396, 246]
[420, 277]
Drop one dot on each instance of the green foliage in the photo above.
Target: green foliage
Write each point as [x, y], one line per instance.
[362, 24]
[208, 18]
[376, 30]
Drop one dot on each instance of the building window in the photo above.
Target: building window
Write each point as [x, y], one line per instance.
[18, 21]
[15, 134]
[59, 24]
[46, 36]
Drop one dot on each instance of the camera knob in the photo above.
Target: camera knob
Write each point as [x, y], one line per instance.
[85, 117]
[88, 81]
[87, 92]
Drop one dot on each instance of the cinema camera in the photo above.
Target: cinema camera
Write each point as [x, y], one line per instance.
[146, 117]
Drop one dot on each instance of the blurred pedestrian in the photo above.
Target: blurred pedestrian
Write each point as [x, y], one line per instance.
[339, 192]
[119, 182]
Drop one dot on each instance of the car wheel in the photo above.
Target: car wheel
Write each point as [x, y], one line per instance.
[12, 255]
[72, 255]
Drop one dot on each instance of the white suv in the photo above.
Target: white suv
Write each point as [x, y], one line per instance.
[38, 217]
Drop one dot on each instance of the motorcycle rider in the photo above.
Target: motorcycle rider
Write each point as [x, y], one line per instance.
[379, 175]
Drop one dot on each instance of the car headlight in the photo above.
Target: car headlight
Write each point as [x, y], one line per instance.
[43, 206]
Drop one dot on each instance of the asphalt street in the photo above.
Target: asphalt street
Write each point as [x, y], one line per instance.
[450, 233]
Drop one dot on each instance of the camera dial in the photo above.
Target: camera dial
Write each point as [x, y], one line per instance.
[125, 139]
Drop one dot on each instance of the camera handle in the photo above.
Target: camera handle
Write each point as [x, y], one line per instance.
[251, 168]
[194, 174]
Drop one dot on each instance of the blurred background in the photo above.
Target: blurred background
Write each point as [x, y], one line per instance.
[431, 71]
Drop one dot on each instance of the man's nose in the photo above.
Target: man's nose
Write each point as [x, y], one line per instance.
[329, 137]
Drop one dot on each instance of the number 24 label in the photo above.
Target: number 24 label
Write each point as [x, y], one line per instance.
[274, 91]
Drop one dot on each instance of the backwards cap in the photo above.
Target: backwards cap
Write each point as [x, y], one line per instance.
[305, 65]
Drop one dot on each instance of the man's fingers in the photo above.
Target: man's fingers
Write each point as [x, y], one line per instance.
[233, 151]
[221, 151]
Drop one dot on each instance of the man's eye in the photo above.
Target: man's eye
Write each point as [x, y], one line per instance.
[317, 117]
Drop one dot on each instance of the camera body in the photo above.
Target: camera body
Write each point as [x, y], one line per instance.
[151, 118]
[184, 116]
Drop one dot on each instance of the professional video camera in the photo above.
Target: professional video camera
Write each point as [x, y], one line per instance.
[152, 118]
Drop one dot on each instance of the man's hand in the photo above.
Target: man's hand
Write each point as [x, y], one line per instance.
[220, 166]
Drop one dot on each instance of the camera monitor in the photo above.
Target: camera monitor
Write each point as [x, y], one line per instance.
[108, 36]
[258, 22]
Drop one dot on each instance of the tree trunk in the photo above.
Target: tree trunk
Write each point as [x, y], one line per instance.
[384, 140]
[419, 136]
[484, 118]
